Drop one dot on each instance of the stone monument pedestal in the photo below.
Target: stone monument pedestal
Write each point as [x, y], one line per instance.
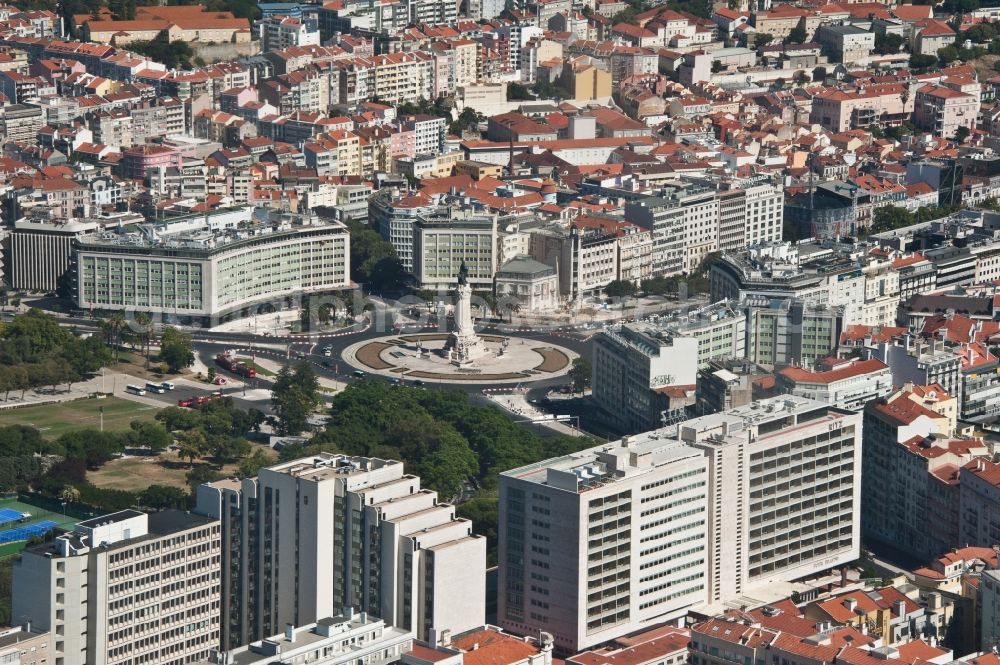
[464, 346]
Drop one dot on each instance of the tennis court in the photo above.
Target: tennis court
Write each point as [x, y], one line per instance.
[8, 515]
[25, 532]
[14, 534]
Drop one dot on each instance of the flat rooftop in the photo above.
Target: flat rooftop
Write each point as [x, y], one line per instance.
[662, 448]
[112, 518]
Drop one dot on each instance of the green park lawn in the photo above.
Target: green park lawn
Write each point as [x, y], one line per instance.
[54, 420]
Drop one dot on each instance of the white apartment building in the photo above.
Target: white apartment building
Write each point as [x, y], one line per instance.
[24, 645]
[631, 363]
[719, 328]
[784, 491]
[280, 32]
[342, 640]
[125, 588]
[849, 385]
[428, 134]
[701, 225]
[665, 220]
[448, 236]
[764, 210]
[393, 214]
[603, 542]
[315, 537]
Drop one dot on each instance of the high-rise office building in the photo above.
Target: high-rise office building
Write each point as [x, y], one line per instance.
[125, 588]
[307, 539]
[613, 539]
[784, 492]
[603, 542]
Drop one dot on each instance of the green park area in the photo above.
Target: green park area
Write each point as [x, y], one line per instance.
[55, 420]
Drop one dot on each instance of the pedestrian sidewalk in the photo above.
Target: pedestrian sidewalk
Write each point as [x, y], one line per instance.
[518, 404]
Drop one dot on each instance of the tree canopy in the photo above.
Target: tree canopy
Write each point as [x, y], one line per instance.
[36, 351]
[294, 397]
[442, 437]
[176, 349]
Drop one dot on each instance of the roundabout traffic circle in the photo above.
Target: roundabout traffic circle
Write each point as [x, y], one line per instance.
[425, 357]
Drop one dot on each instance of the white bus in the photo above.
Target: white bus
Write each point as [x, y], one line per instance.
[155, 387]
[135, 390]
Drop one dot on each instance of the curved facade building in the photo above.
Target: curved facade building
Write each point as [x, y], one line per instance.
[211, 268]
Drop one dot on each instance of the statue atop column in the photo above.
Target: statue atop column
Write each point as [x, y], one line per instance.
[464, 345]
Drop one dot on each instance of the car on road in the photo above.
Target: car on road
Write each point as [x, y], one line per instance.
[327, 351]
[358, 373]
[186, 403]
[418, 382]
[200, 399]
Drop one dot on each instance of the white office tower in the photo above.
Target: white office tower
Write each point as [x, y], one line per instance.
[125, 588]
[784, 494]
[617, 538]
[312, 538]
[603, 542]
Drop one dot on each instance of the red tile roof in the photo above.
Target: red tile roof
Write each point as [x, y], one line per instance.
[856, 368]
[490, 647]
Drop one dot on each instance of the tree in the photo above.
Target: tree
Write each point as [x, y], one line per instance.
[621, 289]
[200, 475]
[763, 39]
[580, 374]
[144, 332]
[174, 55]
[484, 513]
[162, 497]
[716, 66]
[113, 326]
[517, 92]
[947, 55]
[887, 43]
[150, 435]
[980, 33]
[889, 218]
[467, 119]
[191, 445]
[229, 448]
[252, 464]
[962, 133]
[374, 261]
[922, 62]
[176, 349]
[797, 35]
[511, 307]
[294, 397]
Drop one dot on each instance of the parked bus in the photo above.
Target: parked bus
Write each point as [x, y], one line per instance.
[155, 387]
[135, 390]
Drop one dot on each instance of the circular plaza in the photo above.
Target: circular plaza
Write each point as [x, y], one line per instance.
[427, 357]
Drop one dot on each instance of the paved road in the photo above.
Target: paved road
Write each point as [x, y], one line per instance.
[311, 348]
